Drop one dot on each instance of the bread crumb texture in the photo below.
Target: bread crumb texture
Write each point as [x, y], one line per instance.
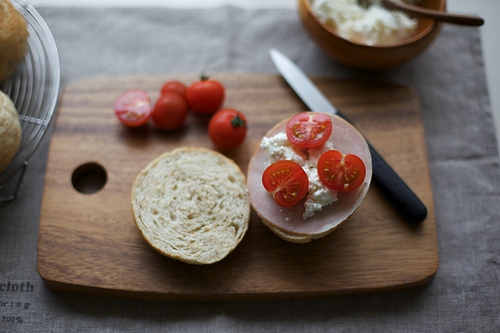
[191, 204]
[13, 39]
[10, 131]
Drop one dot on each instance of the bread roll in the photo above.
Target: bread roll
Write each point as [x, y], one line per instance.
[10, 131]
[191, 204]
[13, 39]
[288, 223]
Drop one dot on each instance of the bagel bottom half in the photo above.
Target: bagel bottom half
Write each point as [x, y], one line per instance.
[191, 204]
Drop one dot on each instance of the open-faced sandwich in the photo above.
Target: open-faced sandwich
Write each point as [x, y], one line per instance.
[309, 174]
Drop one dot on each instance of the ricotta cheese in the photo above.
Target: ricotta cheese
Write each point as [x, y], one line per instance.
[374, 25]
[318, 196]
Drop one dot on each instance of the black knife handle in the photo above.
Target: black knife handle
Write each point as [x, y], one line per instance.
[396, 190]
[408, 204]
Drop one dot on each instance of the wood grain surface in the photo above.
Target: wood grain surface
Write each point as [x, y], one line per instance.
[88, 243]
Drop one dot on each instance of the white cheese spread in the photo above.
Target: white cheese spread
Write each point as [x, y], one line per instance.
[279, 148]
[374, 25]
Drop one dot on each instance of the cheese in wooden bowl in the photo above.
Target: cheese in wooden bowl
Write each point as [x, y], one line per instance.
[368, 37]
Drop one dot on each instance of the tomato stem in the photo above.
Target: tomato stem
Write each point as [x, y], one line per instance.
[238, 121]
[204, 77]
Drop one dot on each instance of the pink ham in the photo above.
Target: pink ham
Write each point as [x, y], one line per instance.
[288, 222]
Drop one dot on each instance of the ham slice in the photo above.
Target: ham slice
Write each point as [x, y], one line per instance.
[288, 222]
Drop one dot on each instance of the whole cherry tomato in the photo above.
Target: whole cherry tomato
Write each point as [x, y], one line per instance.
[133, 108]
[205, 96]
[341, 172]
[170, 111]
[227, 128]
[174, 86]
[309, 129]
[286, 181]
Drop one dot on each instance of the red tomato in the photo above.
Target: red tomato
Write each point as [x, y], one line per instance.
[341, 172]
[170, 111]
[286, 181]
[205, 96]
[308, 129]
[174, 86]
[227, 128]
[133, 108]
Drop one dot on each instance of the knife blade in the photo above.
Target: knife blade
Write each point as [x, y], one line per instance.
[396, 190]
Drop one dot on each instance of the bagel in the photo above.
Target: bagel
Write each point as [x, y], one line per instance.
[191, 204]
[13, 39]
[10, 131]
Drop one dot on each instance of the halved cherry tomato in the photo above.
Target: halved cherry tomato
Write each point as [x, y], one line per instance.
[308, 129]
[170, 111]
[205, 96]
[174, 86]
[286, 181]
[133, 108]
[227, 128]
[341, 172]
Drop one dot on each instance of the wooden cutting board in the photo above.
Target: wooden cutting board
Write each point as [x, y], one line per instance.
[88, 243]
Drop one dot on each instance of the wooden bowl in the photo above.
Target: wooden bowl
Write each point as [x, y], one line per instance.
[371, 57]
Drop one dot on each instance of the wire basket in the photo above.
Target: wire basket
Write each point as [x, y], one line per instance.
[34, 89]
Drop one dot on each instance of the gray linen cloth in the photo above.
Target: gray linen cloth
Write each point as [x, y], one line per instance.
[450, 81]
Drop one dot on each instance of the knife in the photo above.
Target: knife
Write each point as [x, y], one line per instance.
[397, 191]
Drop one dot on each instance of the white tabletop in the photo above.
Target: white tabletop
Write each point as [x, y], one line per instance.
[488, 9]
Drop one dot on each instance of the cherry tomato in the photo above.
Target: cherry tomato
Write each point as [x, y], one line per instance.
[174, 86]
[133, 108]
[170, 111]
[309, 130]
[341, 172]
[205, 96]
[286, 181]
[227, 128]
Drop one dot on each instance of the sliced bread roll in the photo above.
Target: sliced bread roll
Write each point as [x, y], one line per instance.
[288, 223]
[13, 39]
[10, 131]
[191, 204]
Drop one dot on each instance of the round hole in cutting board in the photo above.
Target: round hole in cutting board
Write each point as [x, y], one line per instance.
[89, 178]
